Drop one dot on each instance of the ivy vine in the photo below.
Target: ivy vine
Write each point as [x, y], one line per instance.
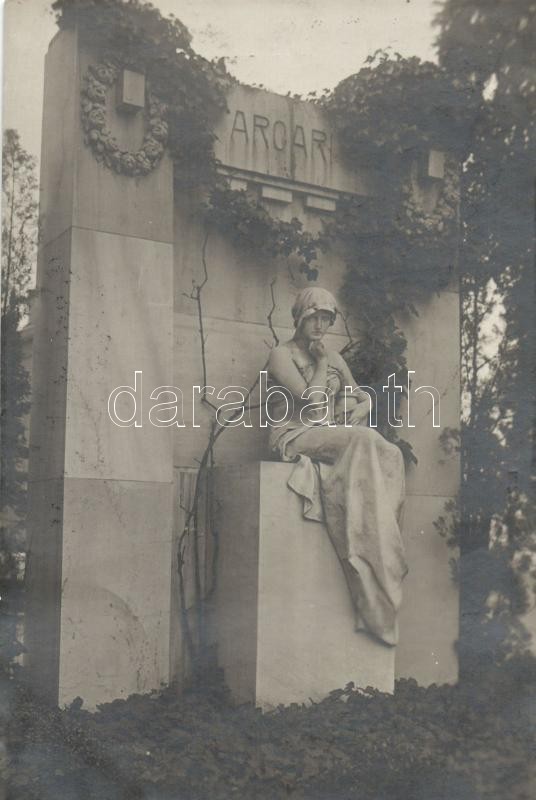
[397, 252]
[394, 107]
[192, 89]
[242, 217]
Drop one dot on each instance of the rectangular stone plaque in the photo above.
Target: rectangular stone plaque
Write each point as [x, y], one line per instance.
[269, 134]
[131, 91]
[320, 203]
[436, 164]
[279, 195]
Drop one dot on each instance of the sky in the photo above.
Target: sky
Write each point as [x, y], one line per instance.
[285, 45]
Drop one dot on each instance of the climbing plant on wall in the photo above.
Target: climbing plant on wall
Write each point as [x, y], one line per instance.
[395, 106]
[398, 251]
[135, 34]
[251, 227]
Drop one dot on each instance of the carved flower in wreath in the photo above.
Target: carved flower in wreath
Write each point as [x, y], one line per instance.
[110, 144]
[153, 149]
[159, 130]
[105, 73]
[97, 118]
[156, 109]
[96, 91]
[129, 162]
[143, 162]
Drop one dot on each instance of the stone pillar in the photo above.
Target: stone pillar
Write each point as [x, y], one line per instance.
[429, 617]
[100, 495]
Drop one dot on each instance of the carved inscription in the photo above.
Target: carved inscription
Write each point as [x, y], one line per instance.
[279, 135]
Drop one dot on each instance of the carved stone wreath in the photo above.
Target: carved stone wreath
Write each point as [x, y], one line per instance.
[98, 79]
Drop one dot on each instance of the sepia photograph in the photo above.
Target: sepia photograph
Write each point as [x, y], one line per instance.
[268, 400]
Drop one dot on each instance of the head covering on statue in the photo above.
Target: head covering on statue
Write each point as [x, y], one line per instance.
[311, 300]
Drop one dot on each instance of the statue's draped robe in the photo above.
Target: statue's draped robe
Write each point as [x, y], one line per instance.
[352, 479]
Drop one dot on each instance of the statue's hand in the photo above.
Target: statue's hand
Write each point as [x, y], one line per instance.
[318, 351]
[359, 413]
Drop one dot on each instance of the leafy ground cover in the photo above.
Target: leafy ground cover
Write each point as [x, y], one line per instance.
[474, 740]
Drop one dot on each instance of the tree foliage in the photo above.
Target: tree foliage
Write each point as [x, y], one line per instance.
[395, 106]
[19, 219]
[19, 248]
[19, 243]
[15, 407]
[440, 742]
[400, 246]
[489, 44]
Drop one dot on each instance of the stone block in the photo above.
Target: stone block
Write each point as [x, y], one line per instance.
[238, 184]
[429, 617]
[320, 203]
[115, 600]
[436, 164]
[433, 355]
[120, 322]
[274, 193]
[105, 201]
[50, 318]
[283, 616]
[60, 141]
[131, 91]
[43, 581]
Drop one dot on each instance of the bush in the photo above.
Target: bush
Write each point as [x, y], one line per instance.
[435, 743]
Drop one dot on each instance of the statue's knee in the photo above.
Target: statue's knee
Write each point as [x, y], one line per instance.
[360, 435]
[364, 432]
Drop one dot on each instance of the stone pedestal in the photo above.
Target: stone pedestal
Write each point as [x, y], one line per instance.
[429, 617]
[283, 616]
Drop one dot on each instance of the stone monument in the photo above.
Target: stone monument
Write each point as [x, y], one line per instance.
[113, 312]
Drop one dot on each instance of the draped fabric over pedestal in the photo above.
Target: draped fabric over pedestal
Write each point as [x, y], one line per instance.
[353, 479]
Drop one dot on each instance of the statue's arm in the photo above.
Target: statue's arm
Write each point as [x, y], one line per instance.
[347, 376]
[284, 372]
[358, 403]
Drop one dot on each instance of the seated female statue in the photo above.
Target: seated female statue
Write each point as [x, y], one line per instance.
[346, 469]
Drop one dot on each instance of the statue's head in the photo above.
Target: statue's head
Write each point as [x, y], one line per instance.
[310, 302]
